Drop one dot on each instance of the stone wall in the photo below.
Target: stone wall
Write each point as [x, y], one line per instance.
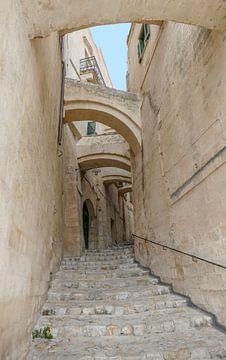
[30, 177]
[180, 199]
[72, 198]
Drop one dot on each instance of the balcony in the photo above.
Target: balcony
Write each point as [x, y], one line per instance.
[89, 66]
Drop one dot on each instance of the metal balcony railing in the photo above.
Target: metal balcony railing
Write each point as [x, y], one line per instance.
[90, 65]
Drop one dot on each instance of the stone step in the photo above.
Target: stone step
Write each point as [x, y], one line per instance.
[128, 260]
[166, 321]
[114, 251]
[106, 307]
[104, 284]
[186, 345]
[108, 256]
[105, 257]
[115, 294]
[91, 275]
[115, 308]
[113, 248]
[99, 267]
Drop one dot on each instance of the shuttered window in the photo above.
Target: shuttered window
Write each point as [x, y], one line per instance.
[143, 39]
[91, 128]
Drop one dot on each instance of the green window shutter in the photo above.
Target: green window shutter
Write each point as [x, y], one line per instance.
[147, 32]
[143, 39]
[139, 52]
[140, 48]
[91, 128]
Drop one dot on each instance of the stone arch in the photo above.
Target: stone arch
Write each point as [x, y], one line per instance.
[92, 225]
[117, 109]
[103, 151]
[110, 179]
[112, 175]
[125, 189]
[93, 161]
[42, 19]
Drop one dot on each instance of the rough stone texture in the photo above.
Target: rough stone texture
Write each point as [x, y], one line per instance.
[118, 109]
[180, 198]
[45, 16]
[103, 306]
[30, 176]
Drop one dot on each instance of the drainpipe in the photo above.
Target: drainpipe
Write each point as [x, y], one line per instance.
[60, 127]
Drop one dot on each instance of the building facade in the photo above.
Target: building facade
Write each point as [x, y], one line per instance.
[180, 72]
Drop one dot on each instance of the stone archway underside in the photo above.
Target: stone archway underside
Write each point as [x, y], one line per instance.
[103, 151]
[114, 175]
[125, 189]
[46, 16]
[107, 180]
[119, 110]
[93, 161]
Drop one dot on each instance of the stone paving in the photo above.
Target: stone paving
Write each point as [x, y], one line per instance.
[103, 306]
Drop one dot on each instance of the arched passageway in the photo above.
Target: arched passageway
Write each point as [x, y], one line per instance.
[117, 109]
[45, 17]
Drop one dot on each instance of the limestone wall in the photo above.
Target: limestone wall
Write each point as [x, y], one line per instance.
[181, 198]
[72, 198]
[30, 176]
[121, 212]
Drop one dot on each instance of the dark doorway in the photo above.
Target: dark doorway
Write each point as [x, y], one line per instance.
[86, 223]
[113, 232]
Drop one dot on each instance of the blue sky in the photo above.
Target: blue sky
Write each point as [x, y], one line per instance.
[112, 40]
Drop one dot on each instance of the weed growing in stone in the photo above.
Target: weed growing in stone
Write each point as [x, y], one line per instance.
[44, 333]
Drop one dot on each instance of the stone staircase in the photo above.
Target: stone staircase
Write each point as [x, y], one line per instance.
[104, 306]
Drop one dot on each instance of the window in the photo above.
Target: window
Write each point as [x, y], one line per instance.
[143, 39]
[91, 128]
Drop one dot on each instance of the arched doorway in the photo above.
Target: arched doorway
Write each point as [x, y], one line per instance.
[89, 225]
[86, 224]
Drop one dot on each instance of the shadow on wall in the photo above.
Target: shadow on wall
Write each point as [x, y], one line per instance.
[89, 225]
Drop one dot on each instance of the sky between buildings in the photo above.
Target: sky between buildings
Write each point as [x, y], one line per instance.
[112, 41]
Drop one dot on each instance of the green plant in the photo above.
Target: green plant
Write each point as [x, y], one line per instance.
[44, 333]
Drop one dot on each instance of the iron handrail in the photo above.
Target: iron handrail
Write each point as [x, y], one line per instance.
[180, 251]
